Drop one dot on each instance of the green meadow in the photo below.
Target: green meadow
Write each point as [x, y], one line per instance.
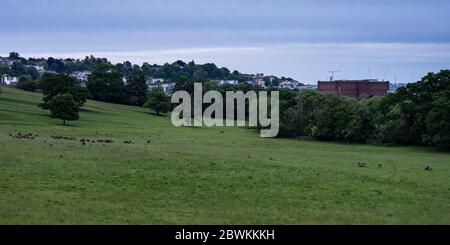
[218, 175]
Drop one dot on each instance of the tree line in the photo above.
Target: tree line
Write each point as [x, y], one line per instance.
[418, 114]
[170, 72]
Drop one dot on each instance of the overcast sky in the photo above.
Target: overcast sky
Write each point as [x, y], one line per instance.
[303, 39]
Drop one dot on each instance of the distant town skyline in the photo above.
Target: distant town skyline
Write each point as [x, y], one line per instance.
[304, 39]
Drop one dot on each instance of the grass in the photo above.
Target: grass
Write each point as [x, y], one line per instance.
[219, 175]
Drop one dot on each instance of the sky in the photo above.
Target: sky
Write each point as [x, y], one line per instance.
[304, 39]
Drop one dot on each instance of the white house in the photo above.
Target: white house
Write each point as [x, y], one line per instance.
[5, 79]
[166, 87]
[6, 61]
[40, 68]
[287, 84]
[152, 81]
[158, 80]
[223, 82]
[259, 82]
[290, 84]
[80, 75]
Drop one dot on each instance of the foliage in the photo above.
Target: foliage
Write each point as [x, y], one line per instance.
[106, 84]
[418, 114]
[53, 85]
[26, 84]
[64, 107]
[136, 89]
[438, 121]
[79, 94]
[158, 101]
[331, 120]
[55, 65]
[14, 55]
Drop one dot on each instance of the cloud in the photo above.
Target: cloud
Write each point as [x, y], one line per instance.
[291, 20]
[336, 52]
[307, 62]
[299, 38]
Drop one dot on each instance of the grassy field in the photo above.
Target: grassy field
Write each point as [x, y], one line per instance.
[216, 175]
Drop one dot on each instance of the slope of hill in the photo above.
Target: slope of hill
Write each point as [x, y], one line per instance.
[169, 175]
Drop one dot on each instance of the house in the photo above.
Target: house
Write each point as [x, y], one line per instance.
[258, 82]
[80, 75]
[223, 82]
[40, 68]
[291, 84]
[6, 61]
[166, 87]
[152, 81]
[286, 84]
[8, 80]
[354, 88]
[158, 80]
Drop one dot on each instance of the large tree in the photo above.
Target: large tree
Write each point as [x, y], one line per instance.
[14, 55]
[106, 84]
[333, 117]
[17, 69]
[158, 101]
[26, 84]
[438, 121]
[58, 84]
[64, 107]
[136, 89]
[55, 65]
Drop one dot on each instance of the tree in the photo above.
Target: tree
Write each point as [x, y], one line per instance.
[106, 84]
[438, 121]
[79, 94]
[363, 127]
[14, 55]
[55, 65]
[26, 84]
[184, 84]
[158, 101]
[64, 107]
[33, 72]
[53, 85]
[59, 84]
[18, 69]
[333, 116]
[136, 89]
[300, 118]
[414, 113]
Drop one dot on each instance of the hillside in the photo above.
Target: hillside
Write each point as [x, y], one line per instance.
[171, 175]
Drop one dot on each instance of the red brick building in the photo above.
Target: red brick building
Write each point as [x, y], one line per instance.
[354, 88]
